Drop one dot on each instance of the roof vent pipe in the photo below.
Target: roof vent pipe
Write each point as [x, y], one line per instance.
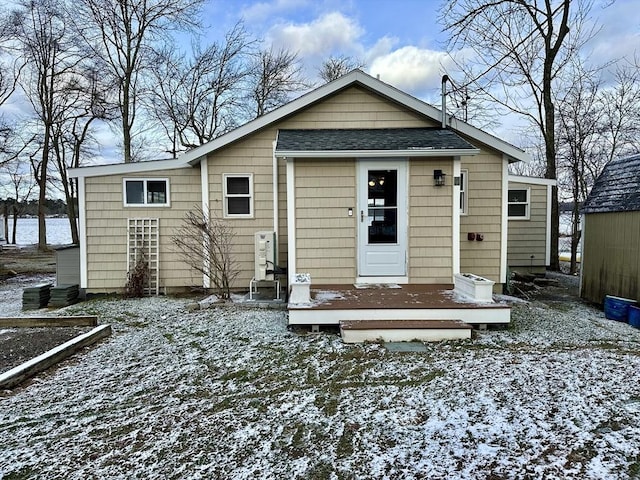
[445, 78]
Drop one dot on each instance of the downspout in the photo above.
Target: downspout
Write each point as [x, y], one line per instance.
[445, 79]
[275, 199]
[204, 186]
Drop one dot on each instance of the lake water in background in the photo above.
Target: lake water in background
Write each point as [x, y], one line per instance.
[58, 231]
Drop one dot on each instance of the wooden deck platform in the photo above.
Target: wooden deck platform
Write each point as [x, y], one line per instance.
[332, 304]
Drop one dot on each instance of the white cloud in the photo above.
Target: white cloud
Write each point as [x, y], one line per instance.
[323, 36]
[412, 69]
[261, 11]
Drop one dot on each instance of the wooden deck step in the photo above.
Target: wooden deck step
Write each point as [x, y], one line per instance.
[358, 331]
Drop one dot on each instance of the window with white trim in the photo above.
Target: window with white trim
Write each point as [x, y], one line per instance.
[146, 192]
[238, 195]
[464, 192]
[518, 204]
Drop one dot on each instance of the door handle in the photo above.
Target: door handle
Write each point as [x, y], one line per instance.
[361, 215]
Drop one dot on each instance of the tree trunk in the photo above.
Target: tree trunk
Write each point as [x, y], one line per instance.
[6, 222]
[73, 223]
[550, 151]
[15, 225]
[42, 185]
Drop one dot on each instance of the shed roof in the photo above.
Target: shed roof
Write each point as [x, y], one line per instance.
[617, 189]
[367, 139]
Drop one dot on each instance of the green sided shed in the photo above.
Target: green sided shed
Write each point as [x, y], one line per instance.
[611, 233]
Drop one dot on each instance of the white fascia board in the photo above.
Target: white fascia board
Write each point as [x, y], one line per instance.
[127, 168]
[377, 153]
[357, 76]
[532, 180]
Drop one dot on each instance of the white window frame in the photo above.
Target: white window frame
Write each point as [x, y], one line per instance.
[527, 204]
[464, 191]
[225, 195]
[144, 181]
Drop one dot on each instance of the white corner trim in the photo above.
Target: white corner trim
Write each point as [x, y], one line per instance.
[291, 220]
[582, 227]
[204, 186]
[82, 232]
[547, 256]
[455, 233]
[504, 221]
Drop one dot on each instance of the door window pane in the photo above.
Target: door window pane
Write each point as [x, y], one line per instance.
[382, 200]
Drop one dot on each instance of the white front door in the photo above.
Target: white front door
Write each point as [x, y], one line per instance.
[382, 209]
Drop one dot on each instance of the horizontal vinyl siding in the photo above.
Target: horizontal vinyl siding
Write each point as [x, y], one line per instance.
[529, 237]
[351, 108]
[430, 223]
[484, 216]
[325, 234]
[610, 256]
[355, 108]
[252, 156]
[106, 228]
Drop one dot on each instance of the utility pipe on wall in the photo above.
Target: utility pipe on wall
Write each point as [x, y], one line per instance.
[445, 79]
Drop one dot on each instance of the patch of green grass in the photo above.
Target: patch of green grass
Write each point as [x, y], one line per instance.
[345, 447]
[169, 336]
[634, 466]
[327, 402]
[23, 474]
[241, 375]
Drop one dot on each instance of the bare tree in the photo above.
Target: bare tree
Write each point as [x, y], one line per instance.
[201, 98]
[205, 243]
[19, 190]
[336, 66]
[124, 34]
[84, 104]
[578, 133]
[520, 47]
[620, 111]
[274, 76]
[40, 29]
[596, 123]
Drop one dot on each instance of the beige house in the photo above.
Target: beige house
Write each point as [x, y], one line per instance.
[529, 234]
[358, 182]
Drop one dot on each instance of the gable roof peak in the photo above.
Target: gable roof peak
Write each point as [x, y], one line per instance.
[354, 77]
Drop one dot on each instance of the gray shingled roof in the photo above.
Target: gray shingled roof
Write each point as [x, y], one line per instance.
[370, 139]
[617, 189]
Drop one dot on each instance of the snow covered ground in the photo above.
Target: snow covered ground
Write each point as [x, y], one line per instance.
[230, 393]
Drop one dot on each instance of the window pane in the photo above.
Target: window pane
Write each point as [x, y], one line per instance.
[238, 206]
[518, 210]
[157, 191]
[518, 196]
[237, 185]
[135, 192]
